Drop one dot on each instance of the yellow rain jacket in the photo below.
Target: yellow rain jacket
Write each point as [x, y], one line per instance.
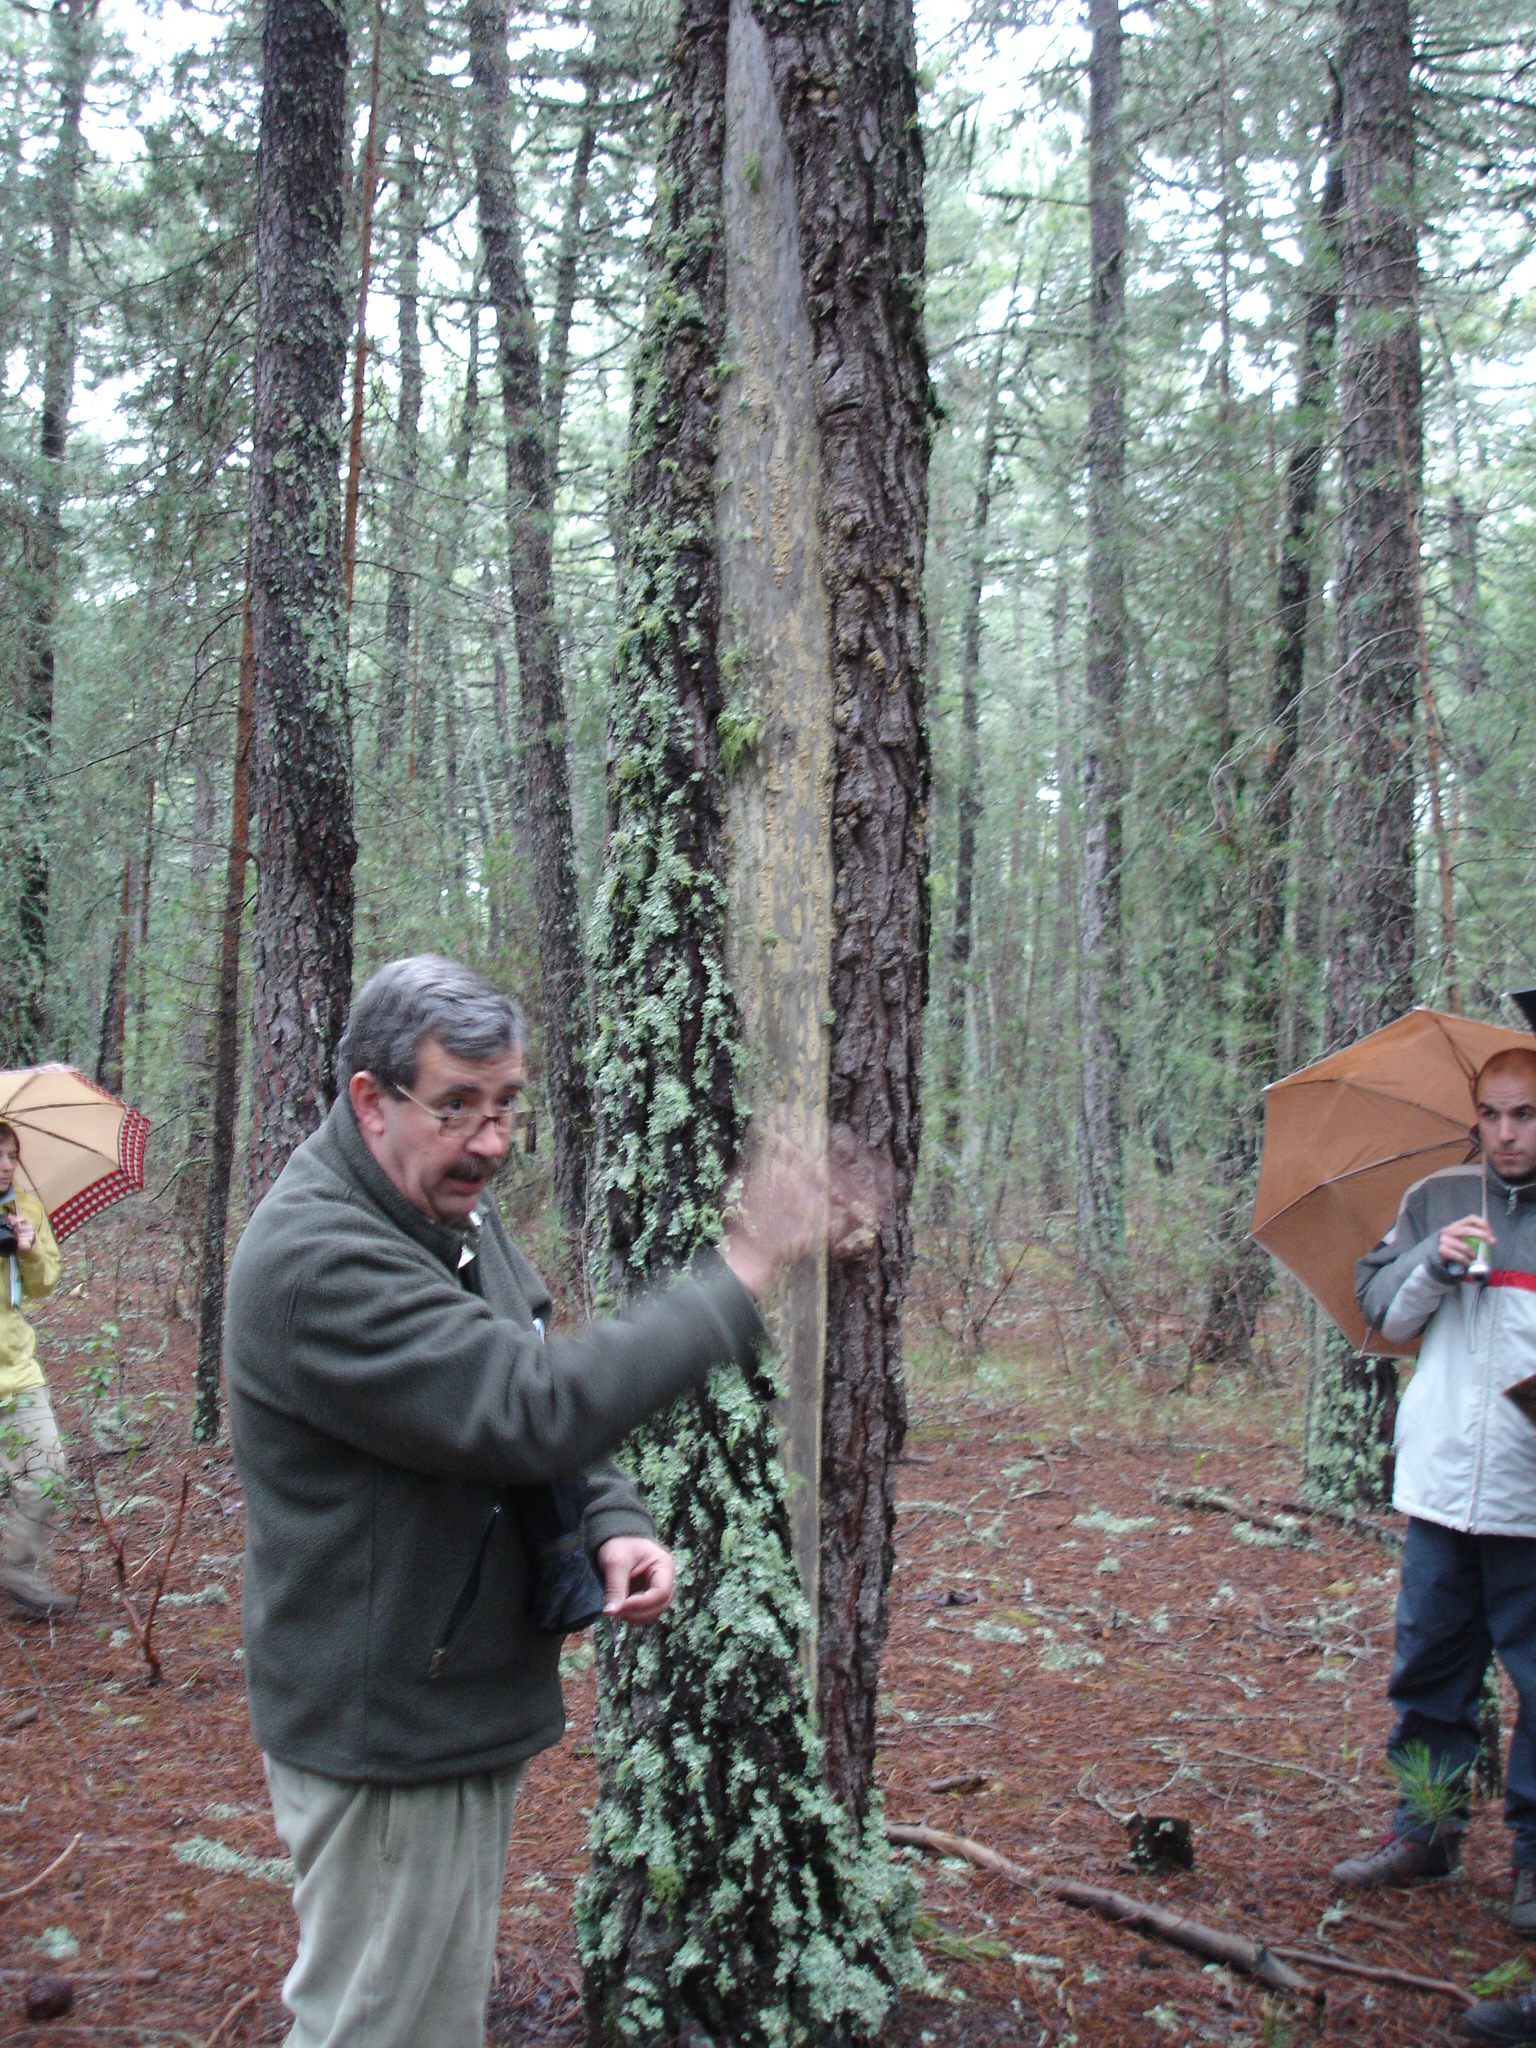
[39, 1269]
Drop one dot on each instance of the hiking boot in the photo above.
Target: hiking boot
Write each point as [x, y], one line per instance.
[1522, 1904]
[1399, 1859]
[1504, 2022]
[34, 1594]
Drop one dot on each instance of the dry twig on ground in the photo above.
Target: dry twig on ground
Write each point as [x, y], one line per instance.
[32, 1883]
[1377, 1972]
[1255, 1959]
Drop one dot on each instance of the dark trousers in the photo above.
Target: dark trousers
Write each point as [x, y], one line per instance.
[1462, 1597]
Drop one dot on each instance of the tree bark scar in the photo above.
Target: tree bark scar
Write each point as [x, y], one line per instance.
[846, 85]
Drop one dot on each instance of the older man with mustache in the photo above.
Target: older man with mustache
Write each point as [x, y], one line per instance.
[428, 1494]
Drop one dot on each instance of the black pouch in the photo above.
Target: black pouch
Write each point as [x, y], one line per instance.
[567, 1594]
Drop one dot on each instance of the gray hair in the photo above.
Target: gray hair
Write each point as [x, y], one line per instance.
[425, 996]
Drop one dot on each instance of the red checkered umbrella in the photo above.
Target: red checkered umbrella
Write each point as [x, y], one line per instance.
[81, 1149]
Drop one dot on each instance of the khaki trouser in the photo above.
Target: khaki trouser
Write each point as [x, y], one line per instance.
[32, 1471]
[398, 1897]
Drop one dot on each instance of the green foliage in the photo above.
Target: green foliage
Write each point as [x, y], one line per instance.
[1434, 1793]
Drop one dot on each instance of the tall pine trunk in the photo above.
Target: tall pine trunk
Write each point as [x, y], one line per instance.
[301, 780]
[1369, 977]
[23, 1007]
[530, 520]
[847, 90]
[1101, 1068]
[1240, 1270]
[732, 1897]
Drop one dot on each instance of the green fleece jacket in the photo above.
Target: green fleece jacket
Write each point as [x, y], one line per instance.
[378, 1410]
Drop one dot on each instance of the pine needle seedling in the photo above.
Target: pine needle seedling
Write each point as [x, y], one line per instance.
[1434, 1793]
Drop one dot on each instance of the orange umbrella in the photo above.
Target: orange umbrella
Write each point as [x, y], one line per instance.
[1346, 1138]
[81, 1148]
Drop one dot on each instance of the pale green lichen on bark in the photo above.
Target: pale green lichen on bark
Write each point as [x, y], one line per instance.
[729, 1890]
[1351, 1406]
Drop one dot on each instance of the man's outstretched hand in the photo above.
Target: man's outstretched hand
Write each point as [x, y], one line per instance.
[638, 1577]
[794, 1200]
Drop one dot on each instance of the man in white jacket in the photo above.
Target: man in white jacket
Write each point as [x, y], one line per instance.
[1465, 1477]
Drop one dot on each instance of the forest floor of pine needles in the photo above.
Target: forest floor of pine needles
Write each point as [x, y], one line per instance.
[1062, 1636]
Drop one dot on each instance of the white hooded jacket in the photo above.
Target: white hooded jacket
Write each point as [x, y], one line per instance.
[1466, 1457]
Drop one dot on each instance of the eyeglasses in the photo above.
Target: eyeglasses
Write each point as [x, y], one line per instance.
[465, 1122]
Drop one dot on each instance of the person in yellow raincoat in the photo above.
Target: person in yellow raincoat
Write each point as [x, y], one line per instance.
[31, 1457]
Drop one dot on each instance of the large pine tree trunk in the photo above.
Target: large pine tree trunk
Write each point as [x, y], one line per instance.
[1101, 1062]
[23, 1009]
[1369, 976]
[529, 520]
[846, 80]
[301, 781]
[1240, 1271]
[732, 1897]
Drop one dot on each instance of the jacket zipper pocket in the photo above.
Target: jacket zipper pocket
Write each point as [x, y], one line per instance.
[465, 1598]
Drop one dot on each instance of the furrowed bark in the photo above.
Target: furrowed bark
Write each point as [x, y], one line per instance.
[545, 767]
[301, 781]
[1369, 977]
[226, 1054]
[1101, 1071]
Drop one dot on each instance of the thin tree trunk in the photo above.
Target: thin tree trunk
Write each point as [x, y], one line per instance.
[301, 782]
[404, 544]
[439, 608]
[538, 644]
[114, 1009]
[141, 977]
[23, 1005]
[1051, 1130]
[226, 1054]
[968, 787]
[567, 270]
[1240, 1271]
[1370, 967]
[370, 189]
[1101, 1072]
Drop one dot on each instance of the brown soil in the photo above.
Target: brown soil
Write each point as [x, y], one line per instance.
[1060, 1633]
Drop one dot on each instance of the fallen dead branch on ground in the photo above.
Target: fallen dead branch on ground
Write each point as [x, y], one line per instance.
[42, 1877]
[143, 1631]
[1378, 1973]
[1211, 1500]
[1255, 1959]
